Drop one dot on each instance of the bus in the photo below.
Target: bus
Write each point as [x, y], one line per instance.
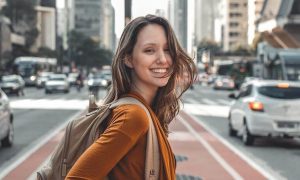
[30, 67]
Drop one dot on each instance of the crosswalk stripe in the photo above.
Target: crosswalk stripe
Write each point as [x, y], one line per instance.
[49, 104]
[206, 110]
[222, 101]
[208, 101]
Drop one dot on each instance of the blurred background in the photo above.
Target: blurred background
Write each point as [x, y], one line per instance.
[67, 46]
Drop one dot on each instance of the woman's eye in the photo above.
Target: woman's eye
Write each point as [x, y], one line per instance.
[167, 50]
[149, 50]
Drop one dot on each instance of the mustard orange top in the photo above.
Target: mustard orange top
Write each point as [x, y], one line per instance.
[120, 151]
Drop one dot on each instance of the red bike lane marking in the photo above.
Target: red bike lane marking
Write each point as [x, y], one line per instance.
[243, 168]
[199, 162]
[32, 163]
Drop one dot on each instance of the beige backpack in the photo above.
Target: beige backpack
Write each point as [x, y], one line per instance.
[82, 132]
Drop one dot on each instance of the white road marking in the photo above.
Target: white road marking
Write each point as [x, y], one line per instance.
[222, 101]
[49, 104]
[208, 101]
[206, 110]
[29, 150]
[211, 150]
[265, 170]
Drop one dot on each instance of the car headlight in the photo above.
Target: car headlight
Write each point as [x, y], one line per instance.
[90, 82]
[104, 82]
[32, 78]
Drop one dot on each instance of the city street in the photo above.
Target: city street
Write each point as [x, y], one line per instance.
[37, 115]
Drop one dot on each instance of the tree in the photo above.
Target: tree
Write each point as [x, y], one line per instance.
[210, 45]
[87, 52]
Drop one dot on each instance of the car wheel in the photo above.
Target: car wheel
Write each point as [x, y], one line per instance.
[8, 140]
[247, 137]
[231, 131]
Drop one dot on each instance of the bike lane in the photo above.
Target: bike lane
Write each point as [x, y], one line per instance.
[199, 155]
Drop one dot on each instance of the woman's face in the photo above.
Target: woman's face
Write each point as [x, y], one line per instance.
[150, 59]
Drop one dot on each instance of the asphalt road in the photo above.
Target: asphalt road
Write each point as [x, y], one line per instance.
[37, 114]
[280, 157]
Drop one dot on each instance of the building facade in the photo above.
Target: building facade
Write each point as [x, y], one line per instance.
[95, 19]
[236, 25]
[254, 13]
[46, 25]
[206, 13]
[177, 15]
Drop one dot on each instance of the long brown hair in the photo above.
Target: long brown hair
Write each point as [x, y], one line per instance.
[166, 104]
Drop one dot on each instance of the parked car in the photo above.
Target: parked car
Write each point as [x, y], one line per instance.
[6, 121]
[57, 83]
[265, 108]
[224, 82]
[42, 78]
[13, 84]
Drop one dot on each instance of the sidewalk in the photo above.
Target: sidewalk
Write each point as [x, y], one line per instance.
[199, 154]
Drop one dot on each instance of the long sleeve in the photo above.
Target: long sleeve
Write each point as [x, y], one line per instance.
[129, 124]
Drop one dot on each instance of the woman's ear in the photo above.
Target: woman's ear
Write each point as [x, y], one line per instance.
[128, 62]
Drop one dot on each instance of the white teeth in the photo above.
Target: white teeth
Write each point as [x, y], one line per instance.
[159, 70]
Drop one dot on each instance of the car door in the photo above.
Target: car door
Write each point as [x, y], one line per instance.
[3, 120]
[238, 109]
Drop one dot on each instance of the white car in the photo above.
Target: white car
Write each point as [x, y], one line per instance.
[265, 108]
[42, 78]
[6, 121]
[57, 83]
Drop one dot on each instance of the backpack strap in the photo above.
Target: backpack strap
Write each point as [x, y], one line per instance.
[152, 151]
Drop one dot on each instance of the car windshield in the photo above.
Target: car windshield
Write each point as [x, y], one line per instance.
[280, 93]
[57, 79]
[9, 80]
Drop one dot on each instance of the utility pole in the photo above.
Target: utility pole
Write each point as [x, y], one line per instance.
[127, 11]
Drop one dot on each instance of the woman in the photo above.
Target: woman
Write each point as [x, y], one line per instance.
[148, 65]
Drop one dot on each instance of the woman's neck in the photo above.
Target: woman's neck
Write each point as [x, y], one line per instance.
[147, 94]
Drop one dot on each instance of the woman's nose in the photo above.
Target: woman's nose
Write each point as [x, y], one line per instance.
[162, 59]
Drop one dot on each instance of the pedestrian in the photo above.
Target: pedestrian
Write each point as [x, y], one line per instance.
[148, 65]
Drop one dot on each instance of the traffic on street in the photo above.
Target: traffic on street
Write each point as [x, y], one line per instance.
[47, 112]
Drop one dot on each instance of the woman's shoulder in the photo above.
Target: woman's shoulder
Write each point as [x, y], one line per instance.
[133, 115]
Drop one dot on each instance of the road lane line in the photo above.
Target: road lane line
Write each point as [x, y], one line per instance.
[270, 174]
[29, 150]
[218, 158]
[208, 101]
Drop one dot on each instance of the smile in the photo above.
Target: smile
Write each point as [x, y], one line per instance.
[159, 70]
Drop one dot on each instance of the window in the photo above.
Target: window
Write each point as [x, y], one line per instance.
[280, 93]
[234, 5]
[234, 34]
[245, 91]
[233, 24]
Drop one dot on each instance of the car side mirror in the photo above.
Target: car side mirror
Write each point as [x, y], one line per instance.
[232, 96]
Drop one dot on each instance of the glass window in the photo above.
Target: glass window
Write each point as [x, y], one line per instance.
[280, 93]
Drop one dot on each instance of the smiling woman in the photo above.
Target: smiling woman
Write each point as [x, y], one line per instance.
[148, 64]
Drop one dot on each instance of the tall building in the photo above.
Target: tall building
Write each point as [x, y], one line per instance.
[206, 13]
[86, 17]
[95, 19]
[107, 22]
[236, 24]
[254, 10]
[47, 28]
[179, 20]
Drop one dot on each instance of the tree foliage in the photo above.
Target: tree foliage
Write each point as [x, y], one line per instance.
[210, 45]
[87, 52]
